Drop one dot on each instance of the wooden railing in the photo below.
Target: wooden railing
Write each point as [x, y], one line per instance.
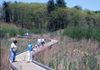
[14, 66]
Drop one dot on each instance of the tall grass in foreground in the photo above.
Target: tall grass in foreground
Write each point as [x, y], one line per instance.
[69, 54]
[4, 55]
[79, 33]
[5, 49]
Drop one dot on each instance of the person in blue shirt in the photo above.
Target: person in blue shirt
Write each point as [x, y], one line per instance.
[29, 51]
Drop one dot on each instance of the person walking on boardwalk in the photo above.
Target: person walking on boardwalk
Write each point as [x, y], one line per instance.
[29, 51]
[42, 41]
[13, 50]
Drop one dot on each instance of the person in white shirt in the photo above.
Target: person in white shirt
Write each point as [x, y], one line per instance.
[39, 42]
[13, 50]
[42, 41]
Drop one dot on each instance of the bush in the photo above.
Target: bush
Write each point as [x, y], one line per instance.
[96, 33]
[92, 62]
[8, 30]
[22, 31]
[37, 30]
[79, 33]
[75, 32]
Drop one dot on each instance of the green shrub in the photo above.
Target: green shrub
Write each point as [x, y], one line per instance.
[22, 31]
[96, 33]
[74, 32]
[73, 66]
[51, 64]
[79, 32]
[92, 62]
[34, 30]
[2, 32]
[8, 30]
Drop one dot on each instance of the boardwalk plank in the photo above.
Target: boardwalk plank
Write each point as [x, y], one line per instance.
[21, 63]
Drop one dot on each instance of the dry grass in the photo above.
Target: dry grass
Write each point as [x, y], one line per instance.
[4, 48]
[69, 54]
[4, 55]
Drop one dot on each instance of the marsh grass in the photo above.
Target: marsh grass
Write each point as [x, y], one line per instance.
[81, 33]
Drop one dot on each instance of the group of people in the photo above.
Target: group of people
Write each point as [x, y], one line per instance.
[13, 49]
[40, 42]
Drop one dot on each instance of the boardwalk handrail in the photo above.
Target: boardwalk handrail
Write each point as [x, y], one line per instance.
[33, 61]
[12, 66]
[41, 65]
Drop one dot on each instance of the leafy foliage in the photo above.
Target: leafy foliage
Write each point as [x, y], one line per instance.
[50, 5]
[92, 62]
[79, 33]
[6, 11]
[40, 18]
[9, 30]
[60, 3]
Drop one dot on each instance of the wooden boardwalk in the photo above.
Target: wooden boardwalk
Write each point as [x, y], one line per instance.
[21, 63]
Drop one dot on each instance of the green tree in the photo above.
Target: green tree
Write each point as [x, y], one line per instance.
[6, 11]
[60, 3]
[78, 7]
[50, 6]
[57, 19]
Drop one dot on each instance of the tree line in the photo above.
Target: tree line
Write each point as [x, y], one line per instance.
[52, 16]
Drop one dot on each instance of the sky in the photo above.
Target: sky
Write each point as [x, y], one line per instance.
[85, 4]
